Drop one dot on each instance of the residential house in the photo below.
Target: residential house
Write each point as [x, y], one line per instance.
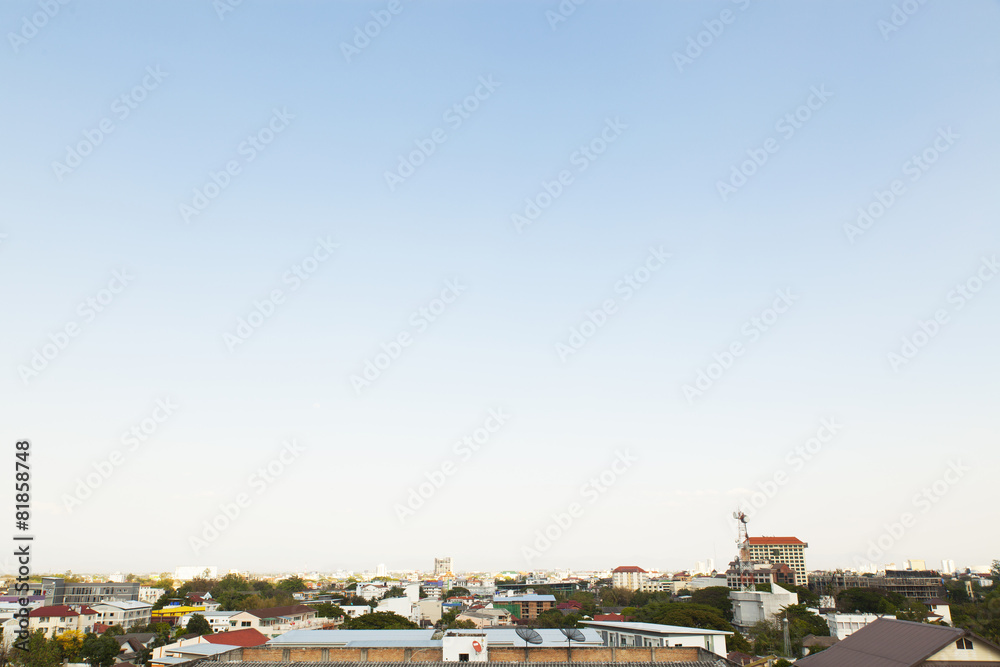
[895, 643]
[274, 621]
[57, 619]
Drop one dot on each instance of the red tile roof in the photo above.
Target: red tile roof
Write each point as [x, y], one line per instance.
[247, 637]
[628, 568]
[609, 617]
[58, 611]
[776, 540]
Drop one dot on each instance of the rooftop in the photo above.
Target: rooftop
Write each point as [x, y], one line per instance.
[653, 628]
[776, 540]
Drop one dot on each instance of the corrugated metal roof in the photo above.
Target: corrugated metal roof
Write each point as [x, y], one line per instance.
[886, 643]
[654, 628]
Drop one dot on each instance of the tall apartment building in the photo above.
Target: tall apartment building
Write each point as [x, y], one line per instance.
[787, 550]
[631, 577]
[442, 566]
[58, 592]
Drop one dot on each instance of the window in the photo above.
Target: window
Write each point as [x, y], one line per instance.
[463, 657]
[964, 643]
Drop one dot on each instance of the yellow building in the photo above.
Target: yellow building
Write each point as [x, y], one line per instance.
[171, 614]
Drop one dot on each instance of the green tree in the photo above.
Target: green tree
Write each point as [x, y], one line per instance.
[292, 585]
[100, 651]
[687, 614]
[457, 591]
[42, 652]
[164, 599]
[329, 610]
[867, 601]
[717, 597]
[380, 620]
[199, 625]
[115, 630]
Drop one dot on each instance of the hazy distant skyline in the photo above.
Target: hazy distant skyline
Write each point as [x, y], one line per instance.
[501, 254]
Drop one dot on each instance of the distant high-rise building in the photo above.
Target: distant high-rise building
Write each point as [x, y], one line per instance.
[915, 565]
[442, 566]
[380, 570]
[947, 566]
[787, 550]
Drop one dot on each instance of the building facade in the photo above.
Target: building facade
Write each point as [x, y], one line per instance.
[630, 577]
[787, 550]
[58, 592]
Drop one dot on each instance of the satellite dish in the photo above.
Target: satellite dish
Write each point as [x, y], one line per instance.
[735, 515]
[573, 635]
[529, 636]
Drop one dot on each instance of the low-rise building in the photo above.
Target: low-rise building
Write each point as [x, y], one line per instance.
[524, 607]
[57, 619]
[625, 634]
[844, 625]
[274, 621]
[906, 644]
[751, 607]
[126, 613]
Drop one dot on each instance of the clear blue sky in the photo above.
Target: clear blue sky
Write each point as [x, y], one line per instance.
[677, 132]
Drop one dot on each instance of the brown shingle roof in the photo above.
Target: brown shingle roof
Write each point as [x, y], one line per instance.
[887, 643]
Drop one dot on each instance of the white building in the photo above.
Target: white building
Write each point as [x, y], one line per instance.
[941, 609]
[630, 577]
[150, 594]
[125, 613]
[189, 572]
[464, 647]
[845, 625]
[355, 610]
[947, 566]
[221, 621]
[754, 606]
[623, 633]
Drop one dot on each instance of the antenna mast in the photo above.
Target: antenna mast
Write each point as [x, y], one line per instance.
[744, 568]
